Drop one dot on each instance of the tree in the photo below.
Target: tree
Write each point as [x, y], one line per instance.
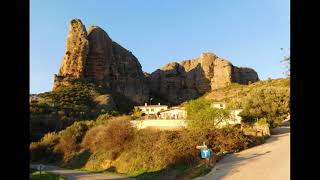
[286, 61]
[137, 113]
[271, 103]
[201, 116]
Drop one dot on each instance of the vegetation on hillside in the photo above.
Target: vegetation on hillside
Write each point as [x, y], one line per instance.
[271, 103]
[109, 142]
[268, 99]
[202, 117]
[112, 143]
[76, 102]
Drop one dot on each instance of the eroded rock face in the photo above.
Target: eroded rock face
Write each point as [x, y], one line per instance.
[77, 49]
[91, 54]
[178, 82]
[244, 75]
[100, 55]
[94, 56]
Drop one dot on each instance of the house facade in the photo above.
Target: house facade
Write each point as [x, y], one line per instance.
[173, 113]
[152, 109]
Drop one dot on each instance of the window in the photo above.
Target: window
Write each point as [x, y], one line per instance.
[221, 105]
[147, 109]
[152, 110]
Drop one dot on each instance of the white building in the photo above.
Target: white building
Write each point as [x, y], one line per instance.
[161, 124]
[233, 119]
[220, 105]
[173, 113]
[152, 109]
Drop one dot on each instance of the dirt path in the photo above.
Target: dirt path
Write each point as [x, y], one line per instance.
[79, 175]
[265, 162]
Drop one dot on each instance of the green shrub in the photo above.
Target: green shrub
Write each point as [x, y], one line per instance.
[202, 117]
[271, 103]
[228, 139]
[262, 121]
[113, 135]
[153, 150]
[71, 137]
[136, 113]
[44, 149]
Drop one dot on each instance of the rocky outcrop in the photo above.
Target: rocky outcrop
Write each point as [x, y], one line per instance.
[92, 55]
[244, 75]
[178, 82]
[77, 49]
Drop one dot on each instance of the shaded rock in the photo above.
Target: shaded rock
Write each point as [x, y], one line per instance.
[92, 55]
[100, 56]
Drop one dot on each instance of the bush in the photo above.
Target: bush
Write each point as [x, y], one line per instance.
[44, 149]
[103, 118]
[116, 143]
[71, 137]
[271, 103]
[262, 121]
[136, 113]
[153, 150]
[113, 135]
[202, 117]
[228, 139]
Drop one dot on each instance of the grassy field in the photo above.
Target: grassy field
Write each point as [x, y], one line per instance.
[35, 175]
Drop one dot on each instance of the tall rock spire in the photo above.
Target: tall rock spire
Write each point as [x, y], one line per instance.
[77, 49]
[92, 55]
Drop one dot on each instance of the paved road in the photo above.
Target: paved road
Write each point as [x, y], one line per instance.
[264, 162]
[79, 175]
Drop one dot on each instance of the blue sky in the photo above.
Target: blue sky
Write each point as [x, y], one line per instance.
[249, 33]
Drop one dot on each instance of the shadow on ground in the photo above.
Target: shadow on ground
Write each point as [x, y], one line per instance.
[231, 162]
[234, 161]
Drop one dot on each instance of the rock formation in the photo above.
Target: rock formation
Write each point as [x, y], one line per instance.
[178, 82]
[76, 50]
[92, 55]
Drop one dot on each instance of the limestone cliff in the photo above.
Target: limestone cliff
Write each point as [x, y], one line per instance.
[178, 82]
[77, 49]
[92, 55]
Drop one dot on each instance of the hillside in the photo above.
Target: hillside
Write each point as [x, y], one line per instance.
[235, 92]
[81, 100]
[146, 153]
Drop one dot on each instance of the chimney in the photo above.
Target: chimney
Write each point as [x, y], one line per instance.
[159, 104]
[145, 104]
